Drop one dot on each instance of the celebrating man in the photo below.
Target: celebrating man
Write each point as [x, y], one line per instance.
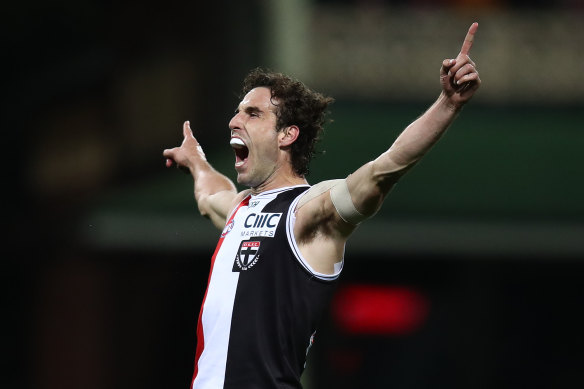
[282, 243]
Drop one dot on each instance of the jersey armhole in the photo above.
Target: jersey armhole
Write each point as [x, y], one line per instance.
[290, 221]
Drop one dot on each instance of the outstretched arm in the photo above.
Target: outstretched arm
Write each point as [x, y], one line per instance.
[215, 193]
[459, 79]
[321, 229]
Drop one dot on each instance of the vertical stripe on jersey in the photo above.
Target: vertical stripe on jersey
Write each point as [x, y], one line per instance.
[200, 331]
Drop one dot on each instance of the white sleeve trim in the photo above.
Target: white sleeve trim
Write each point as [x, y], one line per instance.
[290, 221]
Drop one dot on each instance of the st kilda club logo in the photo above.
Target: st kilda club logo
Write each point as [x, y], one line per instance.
[247, 255]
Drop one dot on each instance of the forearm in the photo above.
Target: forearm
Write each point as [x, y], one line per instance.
[419, 137]
[372, 182]
[369, 185]
[213, 192]
[208, 181]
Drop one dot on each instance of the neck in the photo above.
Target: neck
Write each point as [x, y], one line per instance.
[279, 181]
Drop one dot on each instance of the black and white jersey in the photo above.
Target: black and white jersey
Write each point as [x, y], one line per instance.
[263, 300]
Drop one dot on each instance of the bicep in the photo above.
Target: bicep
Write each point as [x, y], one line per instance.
[316, 215]
[336, 207]
[321, 228]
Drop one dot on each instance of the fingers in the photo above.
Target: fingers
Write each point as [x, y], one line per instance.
[187, 129]
[183, 155]
[169, 155]
[446, 65]
[459, 77]
[465, 74]
[467, 44]
[452, 66]
[457, 68]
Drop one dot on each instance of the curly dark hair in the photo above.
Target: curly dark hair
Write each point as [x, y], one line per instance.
[297, 105]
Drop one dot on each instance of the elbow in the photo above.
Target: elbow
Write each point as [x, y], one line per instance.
[386, 170]
[203, 206]
[374, 193]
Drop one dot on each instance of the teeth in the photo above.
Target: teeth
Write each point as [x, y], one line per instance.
[236, 141]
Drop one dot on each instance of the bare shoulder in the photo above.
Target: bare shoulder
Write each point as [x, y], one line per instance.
[238, 198]
[242, 195]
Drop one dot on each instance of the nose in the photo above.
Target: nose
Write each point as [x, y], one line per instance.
[235, 122]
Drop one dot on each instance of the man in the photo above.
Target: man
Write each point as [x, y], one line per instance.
[282, 245]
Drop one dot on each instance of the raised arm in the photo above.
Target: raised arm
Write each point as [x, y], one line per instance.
[215, 193]
[459, 78]
[331, 210]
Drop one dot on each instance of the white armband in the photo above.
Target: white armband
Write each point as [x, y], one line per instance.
[341, 198]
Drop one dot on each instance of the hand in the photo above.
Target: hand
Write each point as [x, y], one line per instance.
[459, 77]
[188, 153]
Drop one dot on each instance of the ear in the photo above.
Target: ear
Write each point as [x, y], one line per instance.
[288, 136]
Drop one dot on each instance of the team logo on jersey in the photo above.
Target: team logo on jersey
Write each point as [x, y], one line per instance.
[228, 228]
[253, 203]
[247, 255]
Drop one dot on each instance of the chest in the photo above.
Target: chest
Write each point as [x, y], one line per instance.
[257, 230]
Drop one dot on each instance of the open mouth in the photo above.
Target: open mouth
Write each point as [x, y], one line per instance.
[241, 151]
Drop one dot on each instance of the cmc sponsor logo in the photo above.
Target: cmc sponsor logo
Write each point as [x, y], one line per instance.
[262, 220]
[260, 224]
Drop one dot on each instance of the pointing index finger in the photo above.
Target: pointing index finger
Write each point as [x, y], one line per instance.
[467, 44]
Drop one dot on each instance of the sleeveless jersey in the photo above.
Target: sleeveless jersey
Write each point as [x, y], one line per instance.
[263, 300]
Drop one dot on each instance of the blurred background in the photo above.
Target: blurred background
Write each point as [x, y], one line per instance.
[470, 275]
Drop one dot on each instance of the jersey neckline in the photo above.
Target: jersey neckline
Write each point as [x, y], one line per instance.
[278, 190]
